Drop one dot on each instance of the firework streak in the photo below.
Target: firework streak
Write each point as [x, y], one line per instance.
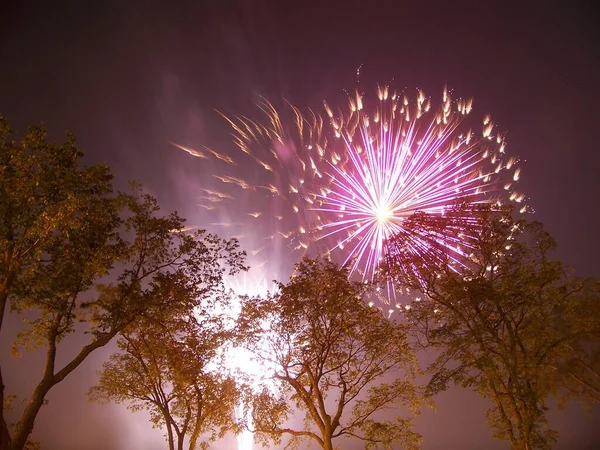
[351, 179]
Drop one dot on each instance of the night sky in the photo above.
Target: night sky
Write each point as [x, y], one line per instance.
[129, 77]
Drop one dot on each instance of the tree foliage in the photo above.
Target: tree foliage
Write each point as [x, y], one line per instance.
[502, 314]
[332, 357]
[62, 232]
[171, 367]
[576, 364]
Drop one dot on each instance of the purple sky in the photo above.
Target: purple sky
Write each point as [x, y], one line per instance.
[128, 77]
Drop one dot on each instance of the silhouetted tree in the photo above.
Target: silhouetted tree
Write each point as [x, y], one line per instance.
[329, 355]
[62, 231]
[172, 367]
[577, 363]
[501, 313]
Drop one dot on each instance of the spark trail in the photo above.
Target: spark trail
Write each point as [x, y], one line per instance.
[350, 179]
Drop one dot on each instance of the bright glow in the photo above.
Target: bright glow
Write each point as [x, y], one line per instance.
[383, 213]
[240, 359]
[245, 439]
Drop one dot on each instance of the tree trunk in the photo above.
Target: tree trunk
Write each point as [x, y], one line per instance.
[167, 417]
[198, 419]
[170, 436]
[327, 443]
[3, 302]
[4, 433]
[7, 281]
[25, 425]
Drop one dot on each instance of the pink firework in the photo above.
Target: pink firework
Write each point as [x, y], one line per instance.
[351, 179]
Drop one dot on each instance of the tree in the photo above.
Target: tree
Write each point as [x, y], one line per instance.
[171, 367]
[62, 232]
[576, 365]
[500, 312]
[334, 358]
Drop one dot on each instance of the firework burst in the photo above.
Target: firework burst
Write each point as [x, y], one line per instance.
[351, 179]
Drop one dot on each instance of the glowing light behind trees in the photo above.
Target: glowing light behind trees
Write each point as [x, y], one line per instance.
[238, 359]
